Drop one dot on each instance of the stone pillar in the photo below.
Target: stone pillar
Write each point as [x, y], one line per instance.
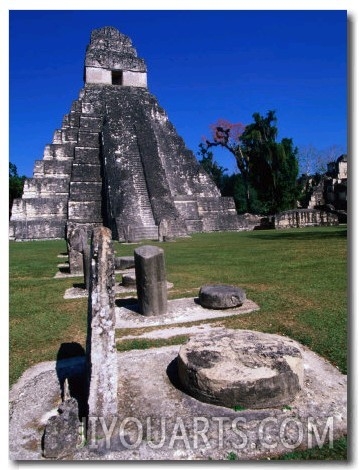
[101, 347]
[163, 230]
[77, 248]
[151, 280]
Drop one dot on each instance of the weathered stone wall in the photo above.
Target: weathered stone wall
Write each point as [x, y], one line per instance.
[304, 218]
[184, 175]
[37, 229]
[45, 187]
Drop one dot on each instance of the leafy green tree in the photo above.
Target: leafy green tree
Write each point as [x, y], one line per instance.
[273, 165]
[268, 167]
[234, 186]
[16, 184]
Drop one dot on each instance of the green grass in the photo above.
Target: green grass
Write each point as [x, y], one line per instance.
[297, 277]
[40, 319]
[337, 452]
[144, 343]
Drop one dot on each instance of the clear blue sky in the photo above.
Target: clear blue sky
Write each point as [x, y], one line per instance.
[202, 65]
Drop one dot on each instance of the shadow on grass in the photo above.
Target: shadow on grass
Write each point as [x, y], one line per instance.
[293, 235]
[79, 285]
[64, 269]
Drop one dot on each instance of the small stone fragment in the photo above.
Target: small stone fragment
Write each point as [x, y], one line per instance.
[61, 433]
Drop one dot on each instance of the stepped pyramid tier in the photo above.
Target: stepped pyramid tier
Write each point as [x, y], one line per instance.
[118, 161]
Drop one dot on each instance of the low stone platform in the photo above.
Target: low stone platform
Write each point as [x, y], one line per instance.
[190, 430]
[78, 292]
[171, 332]
[179, 311]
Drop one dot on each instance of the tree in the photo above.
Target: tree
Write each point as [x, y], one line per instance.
[267, 166]
[16, 184]
[227, 135]
[313, 160]
[207, 161]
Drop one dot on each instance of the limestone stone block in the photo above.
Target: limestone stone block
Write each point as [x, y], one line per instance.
[241, 368]
[221, 296]
[151, 280]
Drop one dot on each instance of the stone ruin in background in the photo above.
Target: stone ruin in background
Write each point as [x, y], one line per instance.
[117, 161]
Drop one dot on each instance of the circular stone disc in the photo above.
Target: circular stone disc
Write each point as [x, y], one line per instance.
[241, 368]
[221, 296]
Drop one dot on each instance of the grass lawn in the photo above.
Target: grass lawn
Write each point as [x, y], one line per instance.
[298, 278]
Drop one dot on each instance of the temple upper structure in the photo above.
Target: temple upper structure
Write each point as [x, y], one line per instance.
[111, 60]
[118, 161]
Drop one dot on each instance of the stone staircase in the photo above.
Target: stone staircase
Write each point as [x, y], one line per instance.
[85, 195]
[140, 189]
[147, 229]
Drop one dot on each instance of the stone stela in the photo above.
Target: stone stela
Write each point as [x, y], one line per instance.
[151, 280]
[78, 252]
[101, 347]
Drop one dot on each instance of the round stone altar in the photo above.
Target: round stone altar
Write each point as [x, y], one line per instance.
[241, 368]
[220, 296]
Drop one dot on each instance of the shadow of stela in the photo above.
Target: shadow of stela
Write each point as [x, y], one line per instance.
[64, 269]
[79, 285]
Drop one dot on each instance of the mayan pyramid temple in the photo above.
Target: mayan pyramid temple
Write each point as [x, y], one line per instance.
[117, 161]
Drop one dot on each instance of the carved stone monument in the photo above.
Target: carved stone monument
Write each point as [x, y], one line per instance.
[78, 251]
[101, 347]
[76, 238]
[151, 280]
